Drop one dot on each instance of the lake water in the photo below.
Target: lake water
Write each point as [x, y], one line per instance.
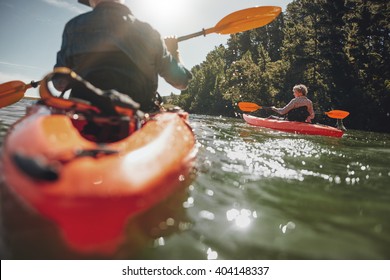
[257, 194]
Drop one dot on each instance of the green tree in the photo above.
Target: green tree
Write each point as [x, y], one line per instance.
[367, 26]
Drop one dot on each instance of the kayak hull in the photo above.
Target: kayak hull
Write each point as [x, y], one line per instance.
[97, 193]
[293, 127]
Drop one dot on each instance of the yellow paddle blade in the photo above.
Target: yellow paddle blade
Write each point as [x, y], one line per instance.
[337, 114]
[239, 21]
[248, 106]
[246, 19]
[11, 92]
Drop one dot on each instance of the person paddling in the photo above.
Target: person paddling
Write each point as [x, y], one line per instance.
[112, 49]
[300, 108]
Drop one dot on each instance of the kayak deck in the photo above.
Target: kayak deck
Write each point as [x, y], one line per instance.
[99, 187]
[293, 127]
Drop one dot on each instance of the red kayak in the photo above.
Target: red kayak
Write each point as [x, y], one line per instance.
[90, 188]
[293, 127]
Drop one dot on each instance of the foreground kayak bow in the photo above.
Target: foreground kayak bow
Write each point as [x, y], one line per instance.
[90, 189]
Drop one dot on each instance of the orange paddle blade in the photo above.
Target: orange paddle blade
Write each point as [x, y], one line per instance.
[11, 92]
[246, 19]
[240, 21]
[248, 106]
[337, 114]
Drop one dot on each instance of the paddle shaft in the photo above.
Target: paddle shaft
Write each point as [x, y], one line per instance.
[204, 32]
[32, 84]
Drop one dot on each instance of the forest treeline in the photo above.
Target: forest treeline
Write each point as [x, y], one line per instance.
[338, 48]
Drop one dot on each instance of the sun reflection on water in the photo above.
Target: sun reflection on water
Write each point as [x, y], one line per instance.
[211, 255]
[241, 218]
[287, 227]
[275, 158]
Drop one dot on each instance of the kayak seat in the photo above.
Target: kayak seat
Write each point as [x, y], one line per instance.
[299, 114]
[100, 115]
[105, 130]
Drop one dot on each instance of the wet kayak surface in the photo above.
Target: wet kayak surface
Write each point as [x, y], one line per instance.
[257, 194]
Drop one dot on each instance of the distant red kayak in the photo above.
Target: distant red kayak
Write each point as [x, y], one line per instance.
[293, 127]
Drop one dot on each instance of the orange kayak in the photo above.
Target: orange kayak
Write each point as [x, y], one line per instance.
[293, 127]
[90, 189]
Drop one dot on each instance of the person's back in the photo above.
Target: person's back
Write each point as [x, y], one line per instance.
[111, 49]
[300, 108]
[298, 114]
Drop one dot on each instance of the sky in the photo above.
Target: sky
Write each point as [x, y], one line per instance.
[31, 31]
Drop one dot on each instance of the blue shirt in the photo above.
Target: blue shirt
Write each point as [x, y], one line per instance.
[111, 39]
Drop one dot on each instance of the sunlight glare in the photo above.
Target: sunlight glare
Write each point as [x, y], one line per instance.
[162, 14]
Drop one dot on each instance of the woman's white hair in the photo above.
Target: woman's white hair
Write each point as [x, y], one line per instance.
[300, 88]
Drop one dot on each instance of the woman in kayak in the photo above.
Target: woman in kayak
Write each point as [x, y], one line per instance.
[300, 108]
[112, 49]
